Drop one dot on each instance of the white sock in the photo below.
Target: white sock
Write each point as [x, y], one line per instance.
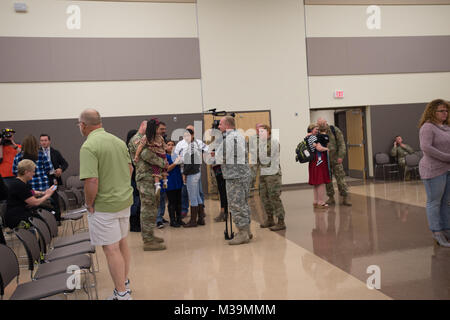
[122, 293]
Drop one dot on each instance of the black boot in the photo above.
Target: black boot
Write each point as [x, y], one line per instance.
[173, 220]
[178, 216]
[135, 223]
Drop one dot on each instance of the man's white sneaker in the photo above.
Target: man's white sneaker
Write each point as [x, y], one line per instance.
[117, 296]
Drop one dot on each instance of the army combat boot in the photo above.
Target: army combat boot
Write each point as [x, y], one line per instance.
[279, 226]
[269, 223]
[154, 246]
[346, 202]
[157, 239]
[241, 237]
[330, 201]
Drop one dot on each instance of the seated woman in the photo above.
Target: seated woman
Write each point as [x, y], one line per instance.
[399, 151]
[21, 198]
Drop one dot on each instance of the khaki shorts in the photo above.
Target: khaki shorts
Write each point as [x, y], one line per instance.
[107, 228]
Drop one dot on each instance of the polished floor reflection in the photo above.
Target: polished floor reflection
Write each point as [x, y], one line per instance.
[323, 254]
[386, 227]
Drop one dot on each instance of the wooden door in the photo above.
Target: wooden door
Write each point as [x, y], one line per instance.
[244, 121]
[355, 144]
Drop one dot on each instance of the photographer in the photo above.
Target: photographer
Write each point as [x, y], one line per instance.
[8, 150]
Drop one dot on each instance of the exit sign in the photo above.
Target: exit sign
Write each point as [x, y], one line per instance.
[339, 94]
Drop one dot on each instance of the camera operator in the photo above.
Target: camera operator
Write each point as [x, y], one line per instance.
[8, 150]
[221, 183]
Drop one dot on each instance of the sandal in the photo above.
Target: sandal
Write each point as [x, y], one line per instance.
[322, 206]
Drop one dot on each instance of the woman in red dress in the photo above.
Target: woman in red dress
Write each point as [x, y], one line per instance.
[319, 174]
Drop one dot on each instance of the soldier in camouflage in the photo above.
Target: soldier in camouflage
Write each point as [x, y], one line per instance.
[146, 185]
[400, 151]
[232, 154]
[337, 152]
[268, 165]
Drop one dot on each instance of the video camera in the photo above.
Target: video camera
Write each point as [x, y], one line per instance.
[6, 134]
[215, 124]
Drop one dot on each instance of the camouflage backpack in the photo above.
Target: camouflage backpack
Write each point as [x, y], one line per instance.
[303, 153]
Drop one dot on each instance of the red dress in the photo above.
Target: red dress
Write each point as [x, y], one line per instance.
[319, 174]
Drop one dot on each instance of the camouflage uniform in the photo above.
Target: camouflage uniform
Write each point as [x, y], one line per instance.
[400, 153]
[337, 149]
[146, 185]
[270, 182]
[238, 178]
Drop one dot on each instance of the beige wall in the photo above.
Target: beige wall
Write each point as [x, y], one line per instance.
[47, 18]
[396, 20]
[253, 57]
[378, 89]
[60, 100]
[350, 21]
[57, 100]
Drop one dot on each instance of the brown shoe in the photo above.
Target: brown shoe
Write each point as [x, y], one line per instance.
[193, 222]
[279, 226]
[269, 223]
[201, 215]
[154, 246]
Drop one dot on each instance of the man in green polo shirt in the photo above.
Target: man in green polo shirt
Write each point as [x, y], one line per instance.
[105, 167]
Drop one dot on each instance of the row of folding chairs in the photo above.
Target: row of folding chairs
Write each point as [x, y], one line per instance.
[57, 264]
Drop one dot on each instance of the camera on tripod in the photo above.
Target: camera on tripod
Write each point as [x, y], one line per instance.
[215, 124]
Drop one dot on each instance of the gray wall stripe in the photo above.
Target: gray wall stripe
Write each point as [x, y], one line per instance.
[30, 59]
[377, 55]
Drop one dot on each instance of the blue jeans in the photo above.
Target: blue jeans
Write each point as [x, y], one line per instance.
[438, 210]
[193, 185]
[185, 196]
[162, 207]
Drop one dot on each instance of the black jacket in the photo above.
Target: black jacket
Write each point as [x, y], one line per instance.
[58, 162]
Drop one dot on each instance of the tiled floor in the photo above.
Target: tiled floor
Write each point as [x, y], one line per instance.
[323, 254]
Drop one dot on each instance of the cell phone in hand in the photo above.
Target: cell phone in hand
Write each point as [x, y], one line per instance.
[53, 188]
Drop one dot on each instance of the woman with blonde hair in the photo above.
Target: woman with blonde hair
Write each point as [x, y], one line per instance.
[434, 168]
[21, 197]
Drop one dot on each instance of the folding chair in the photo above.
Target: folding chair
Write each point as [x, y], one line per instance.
[71, 214]
[382, 160]
[39, 269]
[52, 225]
[62, 252]
[412, 164]
[33, 290]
